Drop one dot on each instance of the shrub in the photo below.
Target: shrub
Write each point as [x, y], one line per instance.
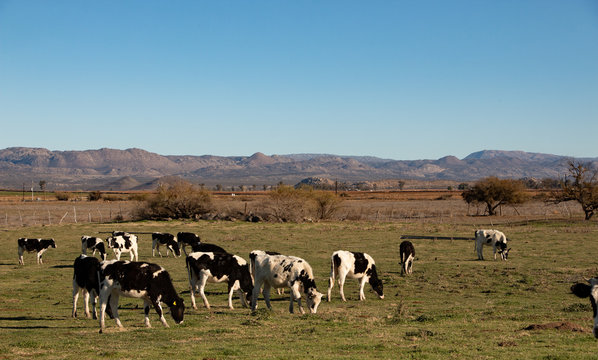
[326, 204]
[289, 204]
[62, 195]
[494, 192]
[179, 200]
[94, 196]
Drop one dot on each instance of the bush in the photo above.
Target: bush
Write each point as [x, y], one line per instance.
[179, 200]
[94, 196]
[494, 192]
[289, 204]
[326, 204]
[62, 195]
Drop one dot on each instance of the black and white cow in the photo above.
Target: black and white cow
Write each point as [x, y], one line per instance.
[187, 238]
[86, 278]
[253, 254]
[123, 243]
[407, 255]
[169, 242]
[205, 247]
[277, 271]
[34, 245]
[354, 265]
[93, 243]
[493, 238]
[204, 267]
[589, 290]
[147, 281]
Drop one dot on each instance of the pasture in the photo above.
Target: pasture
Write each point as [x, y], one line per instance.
[452, 306]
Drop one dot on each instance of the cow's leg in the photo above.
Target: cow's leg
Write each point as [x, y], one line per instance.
[266, 293]
[203, 279]
[93, 305]
[86, 302]
[193, 288]
[254, 294]
[361, 286]
[330, 284]
[21, 262]
[341, 284]
[75, 297]
[158, 308]
[232, 286]
[117, 254]
[114, 307]
[410, 267]
[146, 311]
[136, 254]
[494, 248]
[131, 254]
[183, 247]
[295, 294]
[479, 246]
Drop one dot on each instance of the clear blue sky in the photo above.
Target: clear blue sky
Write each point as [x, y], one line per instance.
[395, 79]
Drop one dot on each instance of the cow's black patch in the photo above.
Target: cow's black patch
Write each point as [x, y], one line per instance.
[286, 266]
[336, 260]
[361, 263]
[205, 247]
[308, 283]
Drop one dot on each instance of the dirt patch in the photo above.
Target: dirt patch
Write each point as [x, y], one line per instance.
[566, 326]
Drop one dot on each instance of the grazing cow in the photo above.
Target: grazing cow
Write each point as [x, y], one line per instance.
[169, 242]
[205, 247]
[31, 245]
[407, 254]
[253, 254]
[147, 281]
[219, 267]
[493, 238]
[285, 271]
[93, 243]
[354, 265]
[123, 243]
[589, 290]
[86, 278]
[187, 238]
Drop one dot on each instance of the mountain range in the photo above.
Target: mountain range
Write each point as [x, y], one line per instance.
[137, 169]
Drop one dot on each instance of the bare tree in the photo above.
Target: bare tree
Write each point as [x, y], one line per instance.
[581, 185]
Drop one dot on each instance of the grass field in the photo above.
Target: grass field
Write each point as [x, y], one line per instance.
[453, 306]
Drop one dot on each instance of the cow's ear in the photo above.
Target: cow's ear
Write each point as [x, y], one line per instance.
[581, 290]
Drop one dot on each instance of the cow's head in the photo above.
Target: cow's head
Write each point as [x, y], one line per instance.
[314, 298]
[375, 282]
[589, 290]
[175, 248]
[52, 243]
[502, 250]
[177, 310]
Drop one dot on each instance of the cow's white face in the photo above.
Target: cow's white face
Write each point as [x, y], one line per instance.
[314, 298]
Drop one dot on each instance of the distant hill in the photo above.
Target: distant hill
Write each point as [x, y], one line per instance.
[111, 169]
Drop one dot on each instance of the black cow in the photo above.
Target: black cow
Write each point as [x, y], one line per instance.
[31, 245]
[169, 242]
[407, 255]
[187, 238]
[219, 267]
[205, 247]
[93, 243]
[589, 290]
[147, 281]
[86, 278]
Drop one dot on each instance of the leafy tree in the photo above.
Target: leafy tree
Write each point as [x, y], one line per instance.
[494, 192]
[327, 203]
[581, 185]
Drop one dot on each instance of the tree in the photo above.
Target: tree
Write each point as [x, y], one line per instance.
[494, 192]
[581, 185]
[327, 203]
[42, 186]
[178, 200]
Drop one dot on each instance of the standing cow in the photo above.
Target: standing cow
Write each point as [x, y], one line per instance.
[407, 255]
[354, 265]
[493, 238]
[147, 281]
[187, 238]
[86, 278]
[203, 267]
[34, 245]
[93, 243]
[277, 271]
[169, 242]
[589, 290]
[123, 243]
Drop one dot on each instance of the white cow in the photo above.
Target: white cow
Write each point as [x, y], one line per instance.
[277, 271]
[354, 265]
[493, 238]
[123, 243]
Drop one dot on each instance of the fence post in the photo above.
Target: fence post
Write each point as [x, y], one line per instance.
[75, 214]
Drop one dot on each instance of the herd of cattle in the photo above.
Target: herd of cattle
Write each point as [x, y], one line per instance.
[109, 279]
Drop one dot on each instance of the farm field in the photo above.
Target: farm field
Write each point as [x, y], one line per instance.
[452, 306]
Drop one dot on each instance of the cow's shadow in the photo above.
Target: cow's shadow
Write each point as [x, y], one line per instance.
[25, 318]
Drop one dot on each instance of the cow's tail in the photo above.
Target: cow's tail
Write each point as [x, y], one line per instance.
[189, 272]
